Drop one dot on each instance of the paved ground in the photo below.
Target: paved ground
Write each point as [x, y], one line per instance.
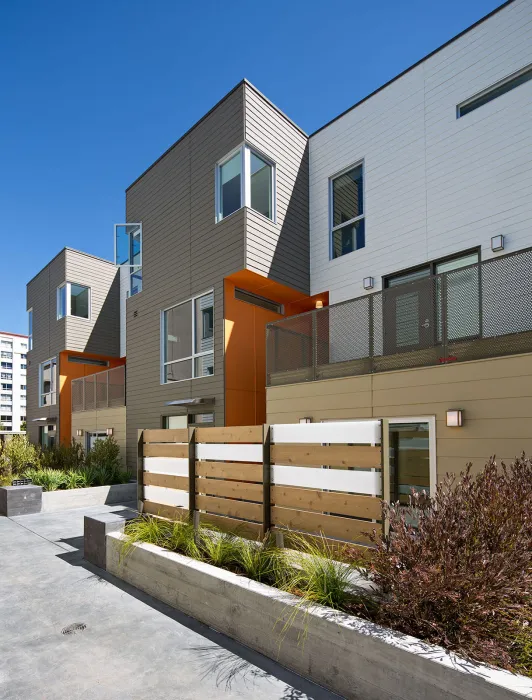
[132, 646]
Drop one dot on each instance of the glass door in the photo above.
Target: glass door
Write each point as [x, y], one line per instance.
[410, 459]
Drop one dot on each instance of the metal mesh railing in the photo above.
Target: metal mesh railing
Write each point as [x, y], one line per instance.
[100, 390]
[478, 311]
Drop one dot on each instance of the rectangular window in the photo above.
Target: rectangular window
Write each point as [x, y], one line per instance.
[30, 328]
[47, 382]
[128, 253]
[491, 93]
[23, 356]
[23, 387]
[6, 375]
[6, 407]
[21, 367]
[6, 355]
[246, 178]
[6, 398]
[7, 387]
[188, 340]
[23, 346]
[73, 300]
[87, 361]
[6, 344]
[6, 417]
[8, 365]
[347, 212]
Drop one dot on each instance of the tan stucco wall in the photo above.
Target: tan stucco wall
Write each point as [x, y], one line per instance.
[90, 421]
[495, 394]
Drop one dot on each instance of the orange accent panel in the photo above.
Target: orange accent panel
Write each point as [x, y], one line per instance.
[73, 370]
[245, 342]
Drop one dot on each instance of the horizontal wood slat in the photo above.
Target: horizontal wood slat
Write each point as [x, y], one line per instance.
[329, 525]
[313, 499]
[226, 506]
[230, 489]
[225, 470]
[362, 456]
[169, 481]
[250, 433]
[164, 511]
[169, 450]
[238, 527]
[170, 435]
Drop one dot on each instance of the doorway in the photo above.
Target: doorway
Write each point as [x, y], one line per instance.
[92, 437]
[412, 457]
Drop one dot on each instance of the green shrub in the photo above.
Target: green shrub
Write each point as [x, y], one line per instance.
[49, 479]
[218, 548]
[105, 454]
[17, 454]
[260, 561]
[61, 456]
[462, 578]
[183, 538]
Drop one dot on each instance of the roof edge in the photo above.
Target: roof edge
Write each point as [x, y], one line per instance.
[72, 250]
[415, 65]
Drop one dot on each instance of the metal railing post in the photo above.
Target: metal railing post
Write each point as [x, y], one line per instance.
[266, 480]
[192, 475]
[314, 343]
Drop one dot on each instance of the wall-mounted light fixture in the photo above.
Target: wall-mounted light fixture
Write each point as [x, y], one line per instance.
[319, 304]
[368, 282]
[455, 418]
[109, 431]
[497, 243]
[79, 432]
[305, 420]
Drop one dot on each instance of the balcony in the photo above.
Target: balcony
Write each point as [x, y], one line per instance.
[479, 311]
[100, 390]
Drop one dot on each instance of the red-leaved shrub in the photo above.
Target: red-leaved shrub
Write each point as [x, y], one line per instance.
[462, 577]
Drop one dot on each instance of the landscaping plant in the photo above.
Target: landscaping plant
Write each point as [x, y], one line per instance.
[462, 578]
[61, 456]
[17, 454]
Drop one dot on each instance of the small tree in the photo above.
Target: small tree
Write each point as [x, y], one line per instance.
[18, 452]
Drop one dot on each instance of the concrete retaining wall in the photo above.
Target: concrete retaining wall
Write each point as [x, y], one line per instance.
[53, 501]
[350, 656]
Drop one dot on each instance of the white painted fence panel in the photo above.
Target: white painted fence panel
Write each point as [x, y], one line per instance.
[234, 453]
[358, 481]
[166, 465]
[168, 497]
[362, 432]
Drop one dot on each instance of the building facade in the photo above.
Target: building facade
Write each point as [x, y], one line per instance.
[421, 232]
[73, 306]
[13, 367]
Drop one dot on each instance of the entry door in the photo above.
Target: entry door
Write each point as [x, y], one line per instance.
[408, 316]
[410, 459]
[92, 437]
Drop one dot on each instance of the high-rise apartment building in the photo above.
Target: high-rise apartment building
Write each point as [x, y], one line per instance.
[13, 364]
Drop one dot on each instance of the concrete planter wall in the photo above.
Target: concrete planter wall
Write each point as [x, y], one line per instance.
[348, 655]
[53, 501]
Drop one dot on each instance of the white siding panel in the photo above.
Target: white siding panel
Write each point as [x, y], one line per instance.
[368, 483]
[231, 453]
[166, 465]
[366, 432]
[434, 185]
[168, 497]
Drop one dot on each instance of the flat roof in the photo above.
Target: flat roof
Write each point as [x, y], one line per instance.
[415, 65]
[72, 250]
[16, 335]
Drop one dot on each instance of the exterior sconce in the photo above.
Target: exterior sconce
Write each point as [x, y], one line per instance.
[305, 420]
[497, 243]
[455, 418]
[368, 283]
[79, 432]
[109, 432]
[319, 304]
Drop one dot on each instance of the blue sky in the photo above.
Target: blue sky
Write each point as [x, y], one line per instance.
[93, 91]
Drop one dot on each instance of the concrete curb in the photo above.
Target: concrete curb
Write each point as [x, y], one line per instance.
[346, 654]
[53, 501]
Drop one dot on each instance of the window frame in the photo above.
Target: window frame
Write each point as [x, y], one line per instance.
[332, 228]
[194, 354]
[492, 91]
[54, 382]
[245, 149]
[67, 286]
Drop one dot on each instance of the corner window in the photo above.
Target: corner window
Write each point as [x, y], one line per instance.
[188, 340]
[128, 253]
[73, 300]
[347, 212]
[245, 178]
[47, 382]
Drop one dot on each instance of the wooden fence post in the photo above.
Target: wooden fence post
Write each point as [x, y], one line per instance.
[140, 470]
[266, 480]
[192, 475]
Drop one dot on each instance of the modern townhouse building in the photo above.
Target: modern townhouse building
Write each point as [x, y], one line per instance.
[421, 232]
[74, 328]
[225, 249]
[13, 363]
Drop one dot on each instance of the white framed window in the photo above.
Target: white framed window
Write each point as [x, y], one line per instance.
[346, 211]
[73, 300]
[30, 329]
[246, 177]
[128, 253]
[48, 382]
[6, 355]
[8, 344]
[187, 339]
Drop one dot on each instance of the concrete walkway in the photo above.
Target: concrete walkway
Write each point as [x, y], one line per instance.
[132, 646]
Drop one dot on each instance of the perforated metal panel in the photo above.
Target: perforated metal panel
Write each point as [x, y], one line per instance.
[482, 310]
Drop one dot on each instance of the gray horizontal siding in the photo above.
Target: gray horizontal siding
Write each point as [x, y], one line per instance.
[184, 254]
[280, 250]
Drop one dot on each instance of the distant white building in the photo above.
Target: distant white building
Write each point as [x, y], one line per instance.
[13, 364]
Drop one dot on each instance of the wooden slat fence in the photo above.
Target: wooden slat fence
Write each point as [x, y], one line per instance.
[318, 478]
